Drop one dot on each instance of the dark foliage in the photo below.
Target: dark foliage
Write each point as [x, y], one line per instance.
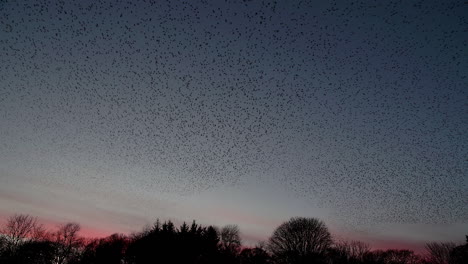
[188, 244]
[300, 240]
[392, 256]
[459, 254]
[109, 250]
[255, 255]
[38, 252]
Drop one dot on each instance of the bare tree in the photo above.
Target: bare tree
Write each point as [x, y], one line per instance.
[402, 256]
[21, 227]
[230, 238]
[67, 241]
[439, 253]
[300, 240]
[353, 250]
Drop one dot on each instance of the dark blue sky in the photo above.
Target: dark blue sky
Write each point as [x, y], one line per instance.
[351, 111]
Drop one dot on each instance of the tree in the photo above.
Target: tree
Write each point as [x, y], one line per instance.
[230, 238]
[229, 245]
[20, 227]
[439, 253]
[37, 252]
[108, 250]
[401, 256]
[163, 243]
[392, 256]
[300, 240]
[209, 241]
[459, 254]
[349, 252]
[256, 255]
[67, 242]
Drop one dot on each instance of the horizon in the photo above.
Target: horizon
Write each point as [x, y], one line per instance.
[90, 235]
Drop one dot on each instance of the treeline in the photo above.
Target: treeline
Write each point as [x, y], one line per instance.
[298, 241]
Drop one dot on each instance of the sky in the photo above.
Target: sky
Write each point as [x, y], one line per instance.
[115, 113]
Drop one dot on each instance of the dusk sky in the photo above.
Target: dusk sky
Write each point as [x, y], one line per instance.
[115, 113]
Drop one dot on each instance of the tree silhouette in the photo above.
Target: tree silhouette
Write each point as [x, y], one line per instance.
[439, 253]
[230, 238]
[166, 244]
[256, 255]
[67, 242]
[459, 254]
[392, 256]
[209, 246]
[108, 250]
[349, 252]
[20, 227]
[37, 252]
[300, 240]
[230, 243]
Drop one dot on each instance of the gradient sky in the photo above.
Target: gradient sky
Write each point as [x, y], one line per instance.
[115, 113]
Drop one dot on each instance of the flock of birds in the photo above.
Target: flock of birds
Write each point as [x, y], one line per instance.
[358, 106]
